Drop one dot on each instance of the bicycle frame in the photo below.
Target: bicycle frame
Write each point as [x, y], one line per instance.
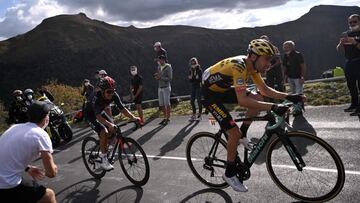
[277, 129]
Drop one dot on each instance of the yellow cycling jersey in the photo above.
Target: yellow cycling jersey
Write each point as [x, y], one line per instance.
[228, 73]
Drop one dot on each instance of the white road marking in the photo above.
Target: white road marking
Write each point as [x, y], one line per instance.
[277, 166]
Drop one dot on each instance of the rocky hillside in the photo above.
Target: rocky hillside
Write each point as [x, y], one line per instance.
[69, 48]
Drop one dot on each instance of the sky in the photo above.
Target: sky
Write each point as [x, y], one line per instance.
[20, 16]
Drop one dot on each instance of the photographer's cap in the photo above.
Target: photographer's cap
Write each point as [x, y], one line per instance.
[38, 110]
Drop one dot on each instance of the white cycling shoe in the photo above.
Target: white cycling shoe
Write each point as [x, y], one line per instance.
[105, 165]
[235, 183]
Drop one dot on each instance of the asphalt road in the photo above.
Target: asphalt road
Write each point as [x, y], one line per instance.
[170, 177]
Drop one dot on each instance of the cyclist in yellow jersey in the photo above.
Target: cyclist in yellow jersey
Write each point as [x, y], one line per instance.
[225, 82]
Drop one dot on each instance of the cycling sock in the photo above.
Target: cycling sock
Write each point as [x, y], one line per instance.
[230, 169]
[244, 128]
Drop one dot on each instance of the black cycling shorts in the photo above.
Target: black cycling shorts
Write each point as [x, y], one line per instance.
[97, 126]
[213, 102]
[26, 191]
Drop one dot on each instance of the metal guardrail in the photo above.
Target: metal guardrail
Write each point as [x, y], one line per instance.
[153, 102]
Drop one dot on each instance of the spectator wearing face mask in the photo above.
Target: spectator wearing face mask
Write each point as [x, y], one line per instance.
[28, 97]
[349, 43]
[195, 76]
[99, 74]
[136, 90]
[88, 90]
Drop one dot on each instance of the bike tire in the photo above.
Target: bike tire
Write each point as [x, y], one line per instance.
[134, 162]
[90, 150]
[310, 184]
[65, 132]
[201, 164]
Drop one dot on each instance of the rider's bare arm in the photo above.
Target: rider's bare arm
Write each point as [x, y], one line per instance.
[49, 165]
[249, 102]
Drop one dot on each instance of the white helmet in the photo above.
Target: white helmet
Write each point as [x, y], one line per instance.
[157, 44]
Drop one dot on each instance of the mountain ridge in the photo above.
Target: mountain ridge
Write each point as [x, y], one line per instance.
[69, 48]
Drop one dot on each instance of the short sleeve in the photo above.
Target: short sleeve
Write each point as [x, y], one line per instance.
[257, 79]
[44, 142]
[239, 76]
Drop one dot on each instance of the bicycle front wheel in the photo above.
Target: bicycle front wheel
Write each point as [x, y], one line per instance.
[90, 150]
[206, 157]
[134, 162]
[320, 180]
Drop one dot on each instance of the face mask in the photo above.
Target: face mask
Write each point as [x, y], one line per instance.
[19, 98]
[193, 66]
[46, 122]
[354, 28]
[86, 84]
[158, 63]
[29, 97]
[155, 49]
[133, 72]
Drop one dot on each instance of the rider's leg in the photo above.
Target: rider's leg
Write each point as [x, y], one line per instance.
[103, 141]
[250, 113]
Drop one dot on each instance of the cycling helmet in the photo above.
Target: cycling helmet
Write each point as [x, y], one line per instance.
[17, 93]
[28, 91]
[107, 83]
[261, 47]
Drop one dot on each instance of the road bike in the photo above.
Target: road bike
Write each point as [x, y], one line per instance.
[132, 157]
[301, 164]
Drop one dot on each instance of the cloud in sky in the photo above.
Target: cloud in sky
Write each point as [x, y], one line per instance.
[22, 15]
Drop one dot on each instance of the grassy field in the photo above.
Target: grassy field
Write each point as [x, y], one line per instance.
[323, 93]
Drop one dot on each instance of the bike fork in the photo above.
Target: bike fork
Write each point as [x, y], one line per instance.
[293, 152]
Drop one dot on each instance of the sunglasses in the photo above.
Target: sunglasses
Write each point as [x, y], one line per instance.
[353, 22]
[110, 91]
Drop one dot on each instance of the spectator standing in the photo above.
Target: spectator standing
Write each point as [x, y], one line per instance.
[159, 51]
[136, 90]
[20, 145]
[274, 76]
[164, 76]
[88, 90]
[350, 43]
[99, 74]
[195, 77]
[294, 65]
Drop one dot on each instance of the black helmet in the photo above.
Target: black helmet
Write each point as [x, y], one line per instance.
[107, 83]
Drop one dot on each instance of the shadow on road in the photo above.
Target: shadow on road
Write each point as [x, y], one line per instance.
[300, 123]
[83, 191]
[146, 137]
[208, 195]
[177, 139]
[124, 195]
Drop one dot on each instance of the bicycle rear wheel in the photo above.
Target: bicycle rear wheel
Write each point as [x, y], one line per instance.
[206, 158]
[134, 162]
[90, 150]
[320, 180]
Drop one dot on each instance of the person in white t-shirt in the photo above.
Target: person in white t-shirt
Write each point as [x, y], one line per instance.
[19, 146]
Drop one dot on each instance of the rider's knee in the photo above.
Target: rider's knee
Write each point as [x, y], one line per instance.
[234, 132]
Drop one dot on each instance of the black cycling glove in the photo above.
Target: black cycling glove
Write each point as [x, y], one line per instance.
[294, 98]
[279, 109]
